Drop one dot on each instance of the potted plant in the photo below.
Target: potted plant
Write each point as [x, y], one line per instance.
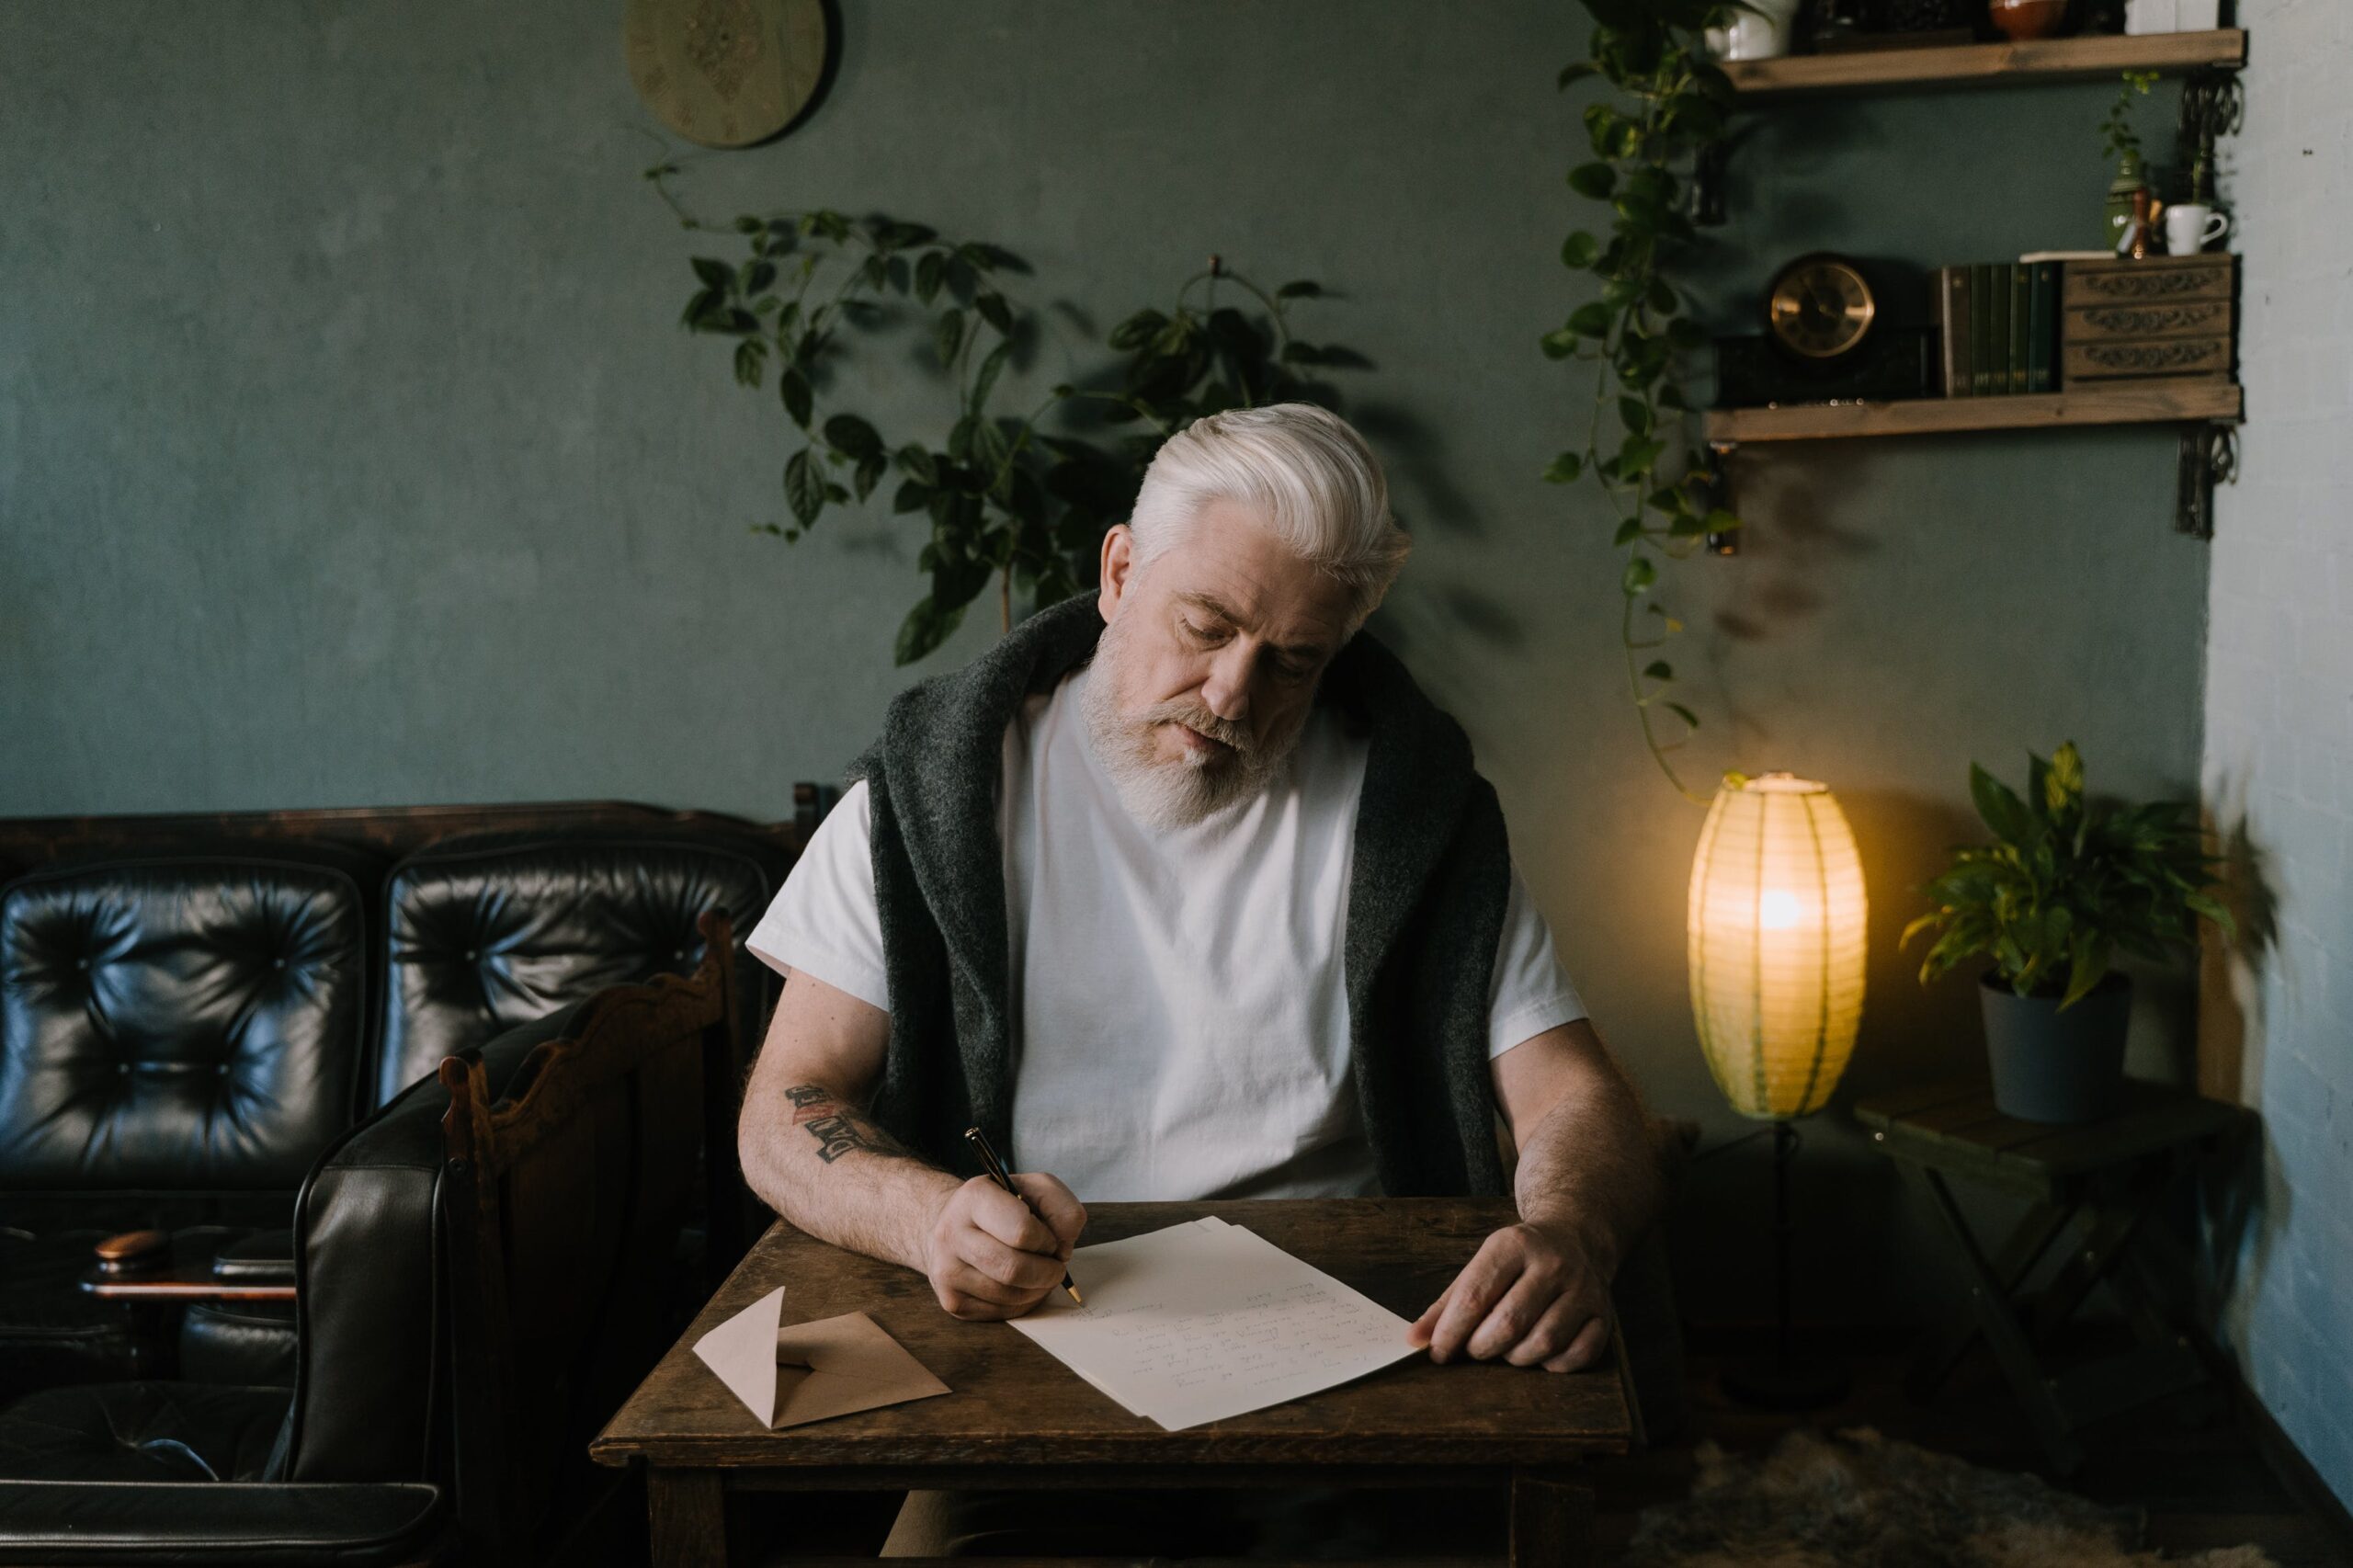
[2120, 143]
[2068, 883]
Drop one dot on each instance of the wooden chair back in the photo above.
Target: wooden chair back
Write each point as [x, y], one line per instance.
[564, 1204]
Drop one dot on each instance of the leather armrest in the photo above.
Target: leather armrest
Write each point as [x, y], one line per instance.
[279, 1524]
[265, 1257]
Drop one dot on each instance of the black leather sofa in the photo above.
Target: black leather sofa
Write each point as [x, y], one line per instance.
[131, 1463]
[193, 1008]
[369, 1460]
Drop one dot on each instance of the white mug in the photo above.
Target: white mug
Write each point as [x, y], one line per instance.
[1759, 32]
[2190, 227]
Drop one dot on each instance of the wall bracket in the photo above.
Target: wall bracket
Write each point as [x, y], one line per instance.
[2210, 456]
[1719, 495]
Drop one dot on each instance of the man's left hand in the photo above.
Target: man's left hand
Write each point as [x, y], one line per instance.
[1531, 1297]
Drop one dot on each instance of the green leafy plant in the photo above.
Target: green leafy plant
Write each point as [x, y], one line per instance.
[1007, 500]
[1199, 356]
[1668, 106]
[2120, 143]
[2068, 883]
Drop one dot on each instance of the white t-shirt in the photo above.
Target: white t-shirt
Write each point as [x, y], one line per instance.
[1180, 994]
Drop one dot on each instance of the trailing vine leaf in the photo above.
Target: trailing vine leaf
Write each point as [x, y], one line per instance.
[1666, 106]
[1005, 500]
[2119, 138]
[804, 492]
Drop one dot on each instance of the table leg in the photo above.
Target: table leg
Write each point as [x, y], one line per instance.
[2003, 1334]
[1551, 1519]
[1946, 1346]
[2112, 1224]
[686, 1515]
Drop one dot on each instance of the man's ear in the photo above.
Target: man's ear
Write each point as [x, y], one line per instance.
[1119, 568]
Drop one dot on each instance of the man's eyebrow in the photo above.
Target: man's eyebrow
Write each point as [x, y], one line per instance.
[1210, 604]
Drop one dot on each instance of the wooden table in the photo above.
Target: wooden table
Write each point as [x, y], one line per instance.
[1019, 1418]
[2106, 1176]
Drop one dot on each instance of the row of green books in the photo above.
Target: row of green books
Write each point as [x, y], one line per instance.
[1999, 326]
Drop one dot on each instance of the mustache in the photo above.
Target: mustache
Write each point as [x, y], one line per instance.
[1195, 717]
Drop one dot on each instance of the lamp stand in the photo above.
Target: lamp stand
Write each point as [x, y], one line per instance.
[1785, 1382]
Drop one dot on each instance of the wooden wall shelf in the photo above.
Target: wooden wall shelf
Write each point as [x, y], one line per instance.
[2148, 403]
[1988, 64]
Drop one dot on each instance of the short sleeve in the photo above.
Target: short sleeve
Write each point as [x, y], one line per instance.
[824, 922]
[1529, 992]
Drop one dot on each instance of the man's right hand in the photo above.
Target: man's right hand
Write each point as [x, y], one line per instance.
[988, 1256]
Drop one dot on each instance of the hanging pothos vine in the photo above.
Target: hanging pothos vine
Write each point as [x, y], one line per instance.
[1668, 106]
[1008, 501]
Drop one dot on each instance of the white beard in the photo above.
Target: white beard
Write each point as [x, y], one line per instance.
[1166, 795]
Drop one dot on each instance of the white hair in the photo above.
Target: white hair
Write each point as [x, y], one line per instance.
[1305, 467]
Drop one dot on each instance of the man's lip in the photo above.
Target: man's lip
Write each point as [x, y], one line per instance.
[1199, 739]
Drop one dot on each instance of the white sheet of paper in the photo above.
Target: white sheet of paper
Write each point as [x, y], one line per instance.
[1204, 1321]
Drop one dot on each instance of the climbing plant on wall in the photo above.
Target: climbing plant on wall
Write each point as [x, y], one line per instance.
[1007, 500]
[1666, 106]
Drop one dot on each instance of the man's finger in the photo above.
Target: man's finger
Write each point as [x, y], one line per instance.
[1552, 1334]
[967, 1280]
[1019, 1270]
[1057, 1205]
[1480, 1284]
[1008, 1219]
[1513, 1317]
[971, 1309]
[1584, 1350]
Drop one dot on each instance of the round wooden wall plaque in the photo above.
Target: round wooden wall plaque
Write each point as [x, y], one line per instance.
[726, 72]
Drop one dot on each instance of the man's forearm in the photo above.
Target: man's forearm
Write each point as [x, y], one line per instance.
[1588, 1167]
[820, 1161]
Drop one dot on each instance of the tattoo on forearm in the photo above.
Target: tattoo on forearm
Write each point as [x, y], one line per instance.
[838, 1128]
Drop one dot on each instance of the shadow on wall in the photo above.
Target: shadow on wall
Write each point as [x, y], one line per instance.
[2244, 1212]
[2230, 969]
[1910, 1032]
[1791, 535]
[1413, 454]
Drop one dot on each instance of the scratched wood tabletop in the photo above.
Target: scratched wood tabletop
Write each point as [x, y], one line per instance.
[1014, 1404]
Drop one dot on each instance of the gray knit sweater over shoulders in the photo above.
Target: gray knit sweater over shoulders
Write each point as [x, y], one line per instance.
[1425, 912]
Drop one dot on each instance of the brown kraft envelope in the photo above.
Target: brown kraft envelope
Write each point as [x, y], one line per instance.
[807, 1371]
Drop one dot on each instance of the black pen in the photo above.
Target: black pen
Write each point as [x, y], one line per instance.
[995, 1167]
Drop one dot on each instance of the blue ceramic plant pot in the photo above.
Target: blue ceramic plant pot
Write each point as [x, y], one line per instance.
[2054, 1066]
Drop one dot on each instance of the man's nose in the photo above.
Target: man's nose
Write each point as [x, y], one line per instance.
[1227, 689]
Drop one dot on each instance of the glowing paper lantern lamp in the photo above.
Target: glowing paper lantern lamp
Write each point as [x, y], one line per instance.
[1776, 944]
[1775, 935]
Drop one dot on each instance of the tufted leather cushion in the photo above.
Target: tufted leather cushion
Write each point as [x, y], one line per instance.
[238, 1342]
[52, 1330]
[179, 1024]
[488, 933]
[140, 1431]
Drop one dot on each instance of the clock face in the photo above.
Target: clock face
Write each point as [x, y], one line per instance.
[726, 72]
[1820, 307]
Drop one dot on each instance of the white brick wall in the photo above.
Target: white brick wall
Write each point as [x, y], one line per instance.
[2279, 709]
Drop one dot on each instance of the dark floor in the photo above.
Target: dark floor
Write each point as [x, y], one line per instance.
[2204, 1484]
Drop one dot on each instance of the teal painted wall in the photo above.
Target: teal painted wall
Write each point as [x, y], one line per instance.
[349, 451]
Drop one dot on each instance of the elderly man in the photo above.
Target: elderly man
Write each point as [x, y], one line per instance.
[1187, 891]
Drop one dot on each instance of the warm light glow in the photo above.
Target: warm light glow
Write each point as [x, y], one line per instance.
[1776, 945]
